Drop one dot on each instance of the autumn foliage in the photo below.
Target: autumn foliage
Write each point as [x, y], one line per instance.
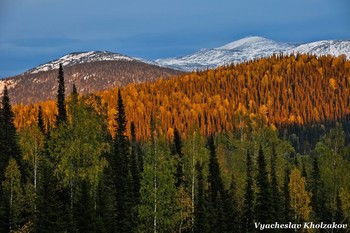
[280, 90]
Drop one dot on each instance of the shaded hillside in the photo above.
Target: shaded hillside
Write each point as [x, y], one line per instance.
[88, 77]
[281, 90]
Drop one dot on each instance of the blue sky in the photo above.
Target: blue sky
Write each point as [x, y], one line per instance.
[33, 32]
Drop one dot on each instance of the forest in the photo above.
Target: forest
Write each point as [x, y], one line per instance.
[211, 151]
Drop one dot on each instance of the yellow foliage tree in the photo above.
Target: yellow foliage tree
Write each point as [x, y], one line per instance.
[299, 196]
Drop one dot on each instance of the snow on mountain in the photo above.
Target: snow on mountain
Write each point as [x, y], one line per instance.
[250, 48]
[325, 47]
[84, 57]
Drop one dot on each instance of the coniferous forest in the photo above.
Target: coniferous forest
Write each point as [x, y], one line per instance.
[218, 150]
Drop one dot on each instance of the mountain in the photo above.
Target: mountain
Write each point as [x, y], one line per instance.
[90, 71]
[251, 48]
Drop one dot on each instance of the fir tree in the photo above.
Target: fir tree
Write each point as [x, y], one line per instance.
[135, 164]
[214, 179]
[177, 150]
[121, 170]
[275, 193]
[61, 105]
[9, 147]
[287, 211]
[230, 209]
[320, 211]
[41, 120]
[263, 208]
[248, 214]
[200, 220]
[216, 189]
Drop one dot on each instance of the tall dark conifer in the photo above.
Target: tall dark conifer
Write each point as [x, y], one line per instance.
[200, 220]
[41, 120]
[135, 163]
[231, 223]
[121, 170]
[275, 193]
[287, 211]
[61, 105]
[248, 214]
[177, 151]
[9, 148]
[216, 190]
[263, 205]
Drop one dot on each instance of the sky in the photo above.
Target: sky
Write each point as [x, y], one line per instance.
[33, 32]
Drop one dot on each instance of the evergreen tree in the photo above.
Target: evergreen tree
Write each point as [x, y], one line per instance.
[51, 212]
[263, 208]
[177, 150]
[135, 164]
[9, 148]
[248, 214]
[275, 193]
[61, 105]
[121, 170]
[287, 211]
[230, 209]
[84, 210]
[320, 211]
[41, 124]
[216, 189]
[200, 220]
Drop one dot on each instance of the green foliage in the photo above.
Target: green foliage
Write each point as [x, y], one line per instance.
[248, 205]
[9, 147]
[159, 205]
[263, 208]
[13, 194]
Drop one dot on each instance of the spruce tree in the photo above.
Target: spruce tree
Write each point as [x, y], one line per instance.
[61, 105]
[320, 210]
[41, 120]
[200, 220]
[263, 208]
[216, 190]
[248, 214]
[121, 170]
[287, 211]
[177, 150]
[135, 164]
[230, 209]
[9, 147]
[275, 193]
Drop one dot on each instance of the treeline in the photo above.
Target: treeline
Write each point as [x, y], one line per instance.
[73, 176]
[290, 90]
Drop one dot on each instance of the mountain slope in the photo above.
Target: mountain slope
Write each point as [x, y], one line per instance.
[251, 48]
[90, 71]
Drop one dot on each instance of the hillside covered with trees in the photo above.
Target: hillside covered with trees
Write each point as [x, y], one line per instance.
[214, 151]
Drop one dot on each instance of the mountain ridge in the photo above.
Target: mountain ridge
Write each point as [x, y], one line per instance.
[90, 71]
[250, 48]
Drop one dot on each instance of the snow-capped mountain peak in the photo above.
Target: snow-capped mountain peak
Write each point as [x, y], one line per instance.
[251, 48]
[81, 57]
[247, 41]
